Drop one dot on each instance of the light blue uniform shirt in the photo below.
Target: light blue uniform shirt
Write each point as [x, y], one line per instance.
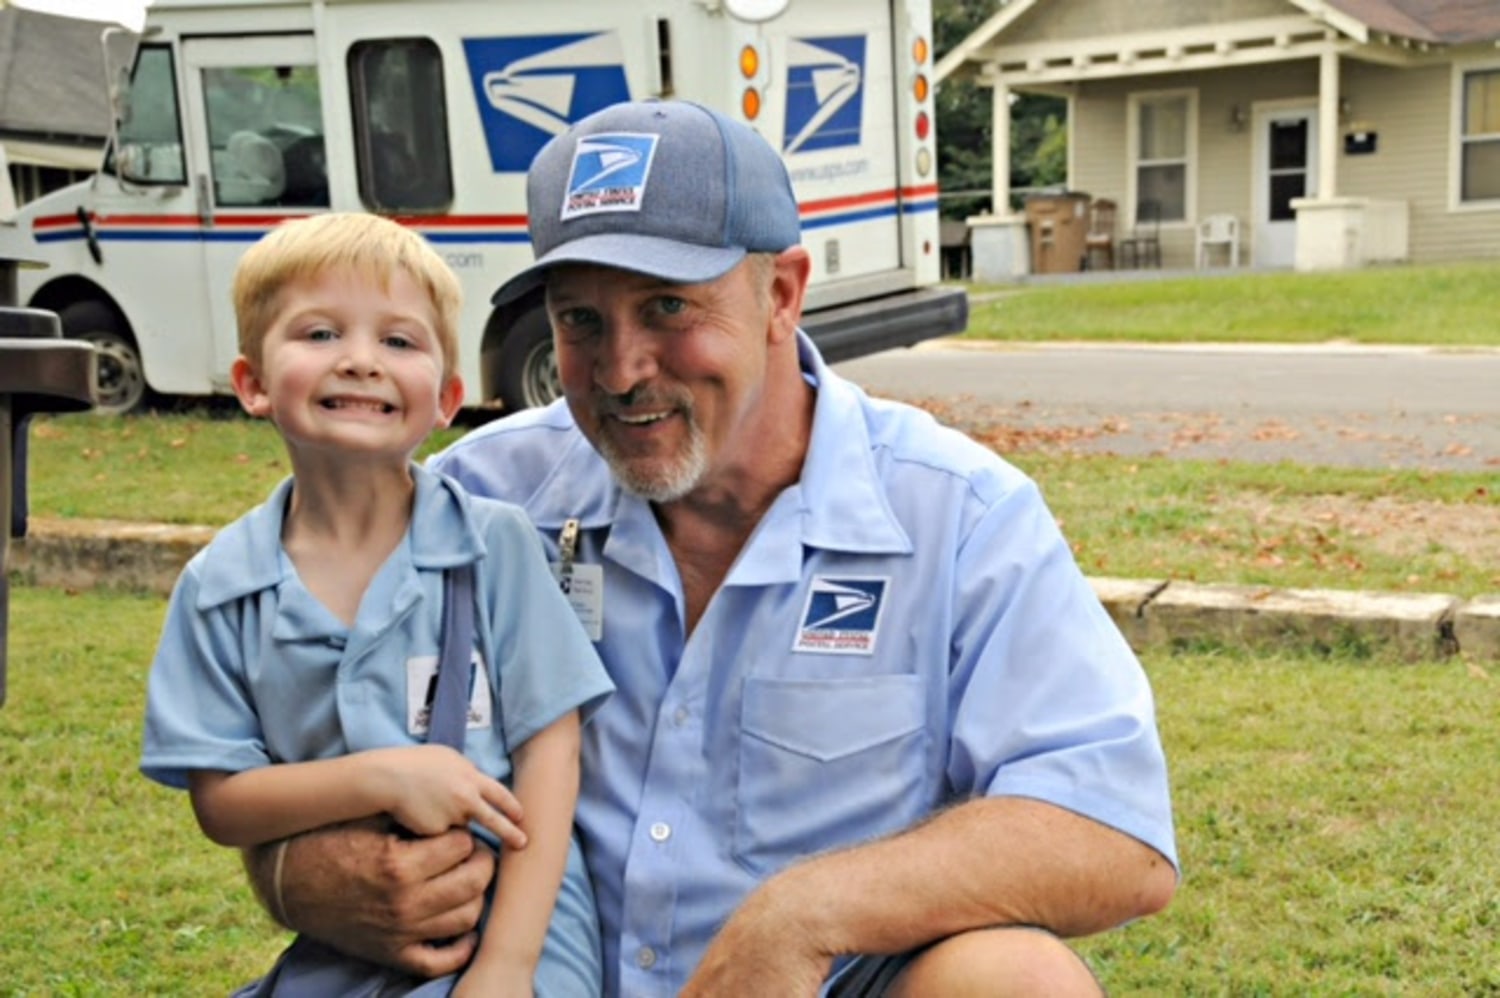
[252, 669]
[906, 628]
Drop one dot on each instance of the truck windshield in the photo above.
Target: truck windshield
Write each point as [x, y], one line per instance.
[150, 131]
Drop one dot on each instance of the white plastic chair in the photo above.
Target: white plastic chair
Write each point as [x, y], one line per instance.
[1218, 230]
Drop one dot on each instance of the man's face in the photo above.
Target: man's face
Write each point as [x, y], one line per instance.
[664, 379]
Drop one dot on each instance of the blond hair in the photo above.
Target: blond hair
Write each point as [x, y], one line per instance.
[307, 248]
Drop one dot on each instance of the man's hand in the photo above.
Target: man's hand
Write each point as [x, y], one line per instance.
[372, 894]
[764, 949]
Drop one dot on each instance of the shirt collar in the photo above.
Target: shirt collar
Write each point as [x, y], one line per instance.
[245, 557]
[842, 504]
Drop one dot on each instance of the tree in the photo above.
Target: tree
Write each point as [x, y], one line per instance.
[1038, 135]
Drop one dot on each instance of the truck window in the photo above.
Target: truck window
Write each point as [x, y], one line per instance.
[400, 125]
[265, 136]
[150, 131]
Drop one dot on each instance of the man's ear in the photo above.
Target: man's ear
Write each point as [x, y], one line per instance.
[248, 387]
[450, 399]
[789, 276]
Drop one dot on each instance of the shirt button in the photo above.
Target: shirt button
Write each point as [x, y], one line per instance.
[646, 958]
[661, 831]
[680, 716]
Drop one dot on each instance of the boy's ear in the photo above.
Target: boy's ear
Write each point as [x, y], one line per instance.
[450, 399]
[248, 387]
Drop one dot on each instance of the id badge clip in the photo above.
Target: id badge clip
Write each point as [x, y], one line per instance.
[581, 584]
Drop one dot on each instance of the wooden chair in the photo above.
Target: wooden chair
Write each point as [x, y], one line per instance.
[1100, 240]
[1143, 246]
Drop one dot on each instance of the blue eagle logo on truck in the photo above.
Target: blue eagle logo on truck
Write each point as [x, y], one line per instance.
[531, 88]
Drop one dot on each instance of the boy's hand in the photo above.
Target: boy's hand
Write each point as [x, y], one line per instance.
[432, 788]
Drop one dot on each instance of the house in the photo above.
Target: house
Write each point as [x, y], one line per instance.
[54, 104]
[1334, 133]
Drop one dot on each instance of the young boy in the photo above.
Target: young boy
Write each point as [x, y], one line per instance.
[291, 685]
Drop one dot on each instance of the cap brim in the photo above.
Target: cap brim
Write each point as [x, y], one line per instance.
[666, 259]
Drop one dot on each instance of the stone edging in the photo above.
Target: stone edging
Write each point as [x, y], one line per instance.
[78, 554]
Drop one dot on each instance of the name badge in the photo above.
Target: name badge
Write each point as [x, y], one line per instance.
[583, 585]
[421, 687]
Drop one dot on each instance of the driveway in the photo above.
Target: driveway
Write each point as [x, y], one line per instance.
[1400, 407]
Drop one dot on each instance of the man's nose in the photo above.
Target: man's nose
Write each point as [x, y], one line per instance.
[626, 358]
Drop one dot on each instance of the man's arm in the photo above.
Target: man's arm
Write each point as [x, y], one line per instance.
[988, 862]
[379, 896]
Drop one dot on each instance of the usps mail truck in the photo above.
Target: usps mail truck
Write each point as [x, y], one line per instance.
[239, 114]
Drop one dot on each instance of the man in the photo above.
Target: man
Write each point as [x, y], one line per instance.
[871, 720]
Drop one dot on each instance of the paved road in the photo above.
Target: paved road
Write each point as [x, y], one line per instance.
[1336, 405]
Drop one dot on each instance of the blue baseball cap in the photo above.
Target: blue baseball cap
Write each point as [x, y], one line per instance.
[665, 188]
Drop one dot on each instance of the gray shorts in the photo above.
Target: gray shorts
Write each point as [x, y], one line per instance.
[872, 976]
[867, 976]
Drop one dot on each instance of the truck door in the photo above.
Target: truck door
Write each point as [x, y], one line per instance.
[256, 130]
[837, 131]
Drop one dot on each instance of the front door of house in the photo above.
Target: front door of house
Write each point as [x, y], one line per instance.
[1286, 168]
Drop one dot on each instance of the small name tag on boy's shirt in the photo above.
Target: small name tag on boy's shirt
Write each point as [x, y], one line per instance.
[421, 687]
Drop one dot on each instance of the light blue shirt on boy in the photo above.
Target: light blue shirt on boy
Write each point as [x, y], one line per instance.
[252, 669]
[906, 628]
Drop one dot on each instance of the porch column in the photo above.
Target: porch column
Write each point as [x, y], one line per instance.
[997, 240]
[1328, 125]
[1000, 148]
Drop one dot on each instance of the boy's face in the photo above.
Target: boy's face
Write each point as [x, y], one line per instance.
[350, 368]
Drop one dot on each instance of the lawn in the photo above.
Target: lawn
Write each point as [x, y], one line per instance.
[1280, 525]
[1335, 820]
[1452, 305]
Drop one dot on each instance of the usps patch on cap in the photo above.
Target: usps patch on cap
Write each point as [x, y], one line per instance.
[842, 615]
[609, 173]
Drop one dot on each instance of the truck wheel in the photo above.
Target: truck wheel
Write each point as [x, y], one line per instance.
[528, 366]
[120, 384]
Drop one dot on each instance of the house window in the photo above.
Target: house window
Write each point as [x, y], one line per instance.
[400, 129]
[1162, 143]
[1479, 137]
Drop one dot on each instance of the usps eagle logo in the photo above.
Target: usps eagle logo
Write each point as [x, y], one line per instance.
[609, 173]
[842, 615]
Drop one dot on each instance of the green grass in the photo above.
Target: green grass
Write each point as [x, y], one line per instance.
[1335, 818]
[109, 887]
[1451, 305]
[1282, 524]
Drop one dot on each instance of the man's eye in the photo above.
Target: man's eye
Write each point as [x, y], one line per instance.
[574, 322]
[670, 305]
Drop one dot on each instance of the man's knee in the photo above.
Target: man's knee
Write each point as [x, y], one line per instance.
[993, 962]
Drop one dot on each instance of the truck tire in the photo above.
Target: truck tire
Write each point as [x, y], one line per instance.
[120, 383]
[528, 367]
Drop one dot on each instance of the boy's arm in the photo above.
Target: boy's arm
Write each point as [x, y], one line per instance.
[428, 788]
[546, 783]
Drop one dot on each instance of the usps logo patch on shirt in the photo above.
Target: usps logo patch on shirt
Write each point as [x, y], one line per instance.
[609, 173]
[842, 615]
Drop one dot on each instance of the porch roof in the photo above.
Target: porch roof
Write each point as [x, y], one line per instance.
[1392, 31]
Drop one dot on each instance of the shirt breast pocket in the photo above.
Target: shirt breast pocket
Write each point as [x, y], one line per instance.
[827, 762]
